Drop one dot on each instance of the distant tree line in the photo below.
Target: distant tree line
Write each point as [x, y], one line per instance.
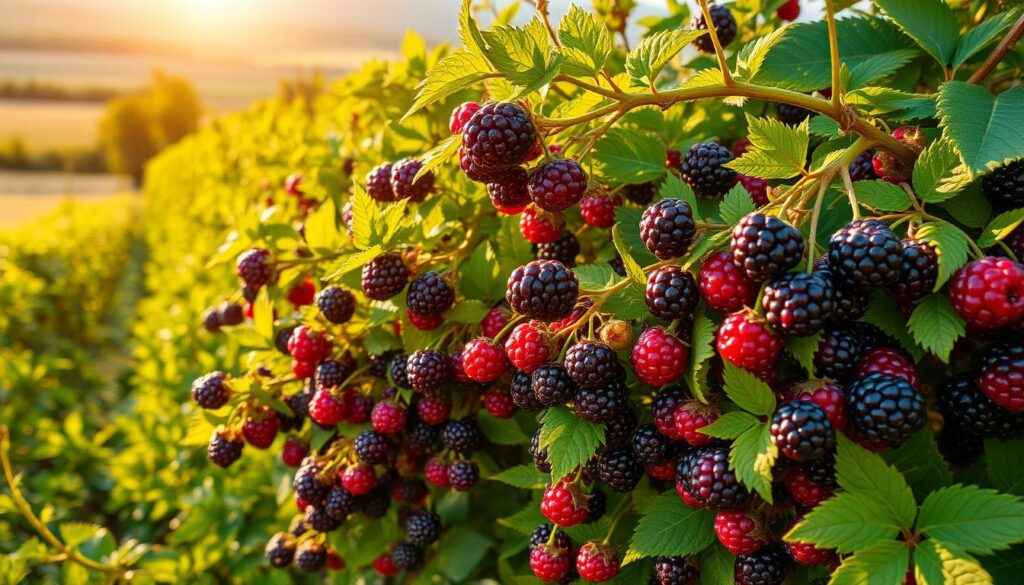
[45, 90]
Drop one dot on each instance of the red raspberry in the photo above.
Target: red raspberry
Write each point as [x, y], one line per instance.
[806, 553]
[294, 452]
[303, 370]
[260, 427]
[829, 397]
[989, 293]
[255, 267]
[436, 471]
[527, 347]
[549, 564]
[756, 186]
[435, 409]
[358, 479]
[334, 561]
[725, 287]
[387, 418]
[498, 402]
[563, 504]
[747, 343]
[599, 211]
[890, 362]
[293, 184]
[460, 115]
[663, 411]
[385, 566]
[739, 533]
[673, 158]
[306, 345]
[248, 310]
[1001, 376]
[357, 406]
[803, 488]
[540, 228]
[326, 409]
[664, 471]
[597, 562]
[300, 503]
[494, 322]
[789, 11]
[577, 313]
[483, 360]
[690, 417]
[658, 357]
[739, 148]
[303, 293]
[558, 185]
[424, 323]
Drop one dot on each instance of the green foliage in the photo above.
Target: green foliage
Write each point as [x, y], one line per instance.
[982, 127]
[570, 440]
[668, 528]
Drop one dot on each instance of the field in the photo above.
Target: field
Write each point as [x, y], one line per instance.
[26, 196]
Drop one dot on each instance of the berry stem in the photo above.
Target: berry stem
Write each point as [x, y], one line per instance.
[833, 48]
[620, 511]
[813, 234]
[848, 184]
[719, 53]
[999, 52]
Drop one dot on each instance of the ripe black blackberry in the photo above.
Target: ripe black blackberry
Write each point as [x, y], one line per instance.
[597, 504]
[667, 228]
[398, 367]
[378, 366]
[641, 194]
[211, 320]
[462, 436]
[308, 484]
[225, 448]
[838, 354]
[299, 403]
[378, 183]
[280, 550]
[619, 428]
[850, 303]
[600, 403]
[421, 434]
[802, 431]
[884, 409]
[1004, 187]
[702, 167]
[866, 254]
[539, 455]
[336, 304]
[620, 469]
[592, 363]
[959, 447]
[706, 474]
[318, 519]
[552, 385]
[429, 295]
[508, 190]
[542, 533]
[384, 276]
[919, 271]
[210, 392]
[791, 115]
[767, 566]
[675, 571]
[281, 339]
[671, 293]
[618, 265]
[557, 185]
[340, 503]
[497, 137]
[965, 406]
[522, 392]
[402, 184]
[375, 504]
[249, 293]
[372, 448]
[255, 267]
[870, 335]
[427, 369]
[861, 169]
[463, 474]
[798, 303]
[229, 313]
[725, 28]
[331, 373]
[650, 446]
[564, 249]
[310, 556]
[544, 290]
[764, 246]
[422, 527]
[823, 470]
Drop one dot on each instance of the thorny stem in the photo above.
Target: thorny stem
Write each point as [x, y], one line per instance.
[833, 48]
[719, 53]
[999, 52]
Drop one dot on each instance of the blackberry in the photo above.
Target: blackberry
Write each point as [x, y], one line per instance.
[764, 246]
[427, 369]
[671, 293]
[461, 436]
[798, 303]
[340, 503]
[422, 434]
[959, 447]
[870, 336]
[331, 373]
[564, 249]
[620, 469]
[384, 277]
[552, 385]
[966, 407]
[663, 411]
[802, 431]
[318, 519]
[599, 404]
[310, 556]
[1004, 187]
[557, 185]
[919, 271]
[861, 169]
[667, 228]
[398, 367]
[210, 392]
[497, 137]
[791, 115]
[249, 293]
[280, 550]
[429, 295]
[767, 566]
[641, 194]
[255, 267]
[309, 486]
[299, 403]
[378, 366]
[539, 455]
[406, 555]
[822, 470]
[542, 533]
[521, 390]
[618, 265]
[463, 474]
[702, 167]
[705, 473]
[229, 313]
[372, 448]
[838, 354]
[402, 185]
[211, 320]
[866, 254]
[619, 428]
[884, 409]
[422, 527]
[725, 28]
[544, 290]
[850, 303]
[675, 571]
[224, 448]
[336, 304]
[650, 446]
[281, 339]
[376, 503]
[508, 191]
[1001, 374]
[378, 183]
[592, 363]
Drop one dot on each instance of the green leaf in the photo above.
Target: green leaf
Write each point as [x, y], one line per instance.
[951, 244]
[747, 391]
[933, 169]
[936, 326]
[803, 349]
[321, 227]
[970, 207]
[460, 551]
[920, 463]
[985, 129]
[883, 65]
[981, 35]
[847, 522]
[976, 520]
[454, 72]
[884, 563]
[366, 214]
[717, 566]
[1003, 459]
[1000, 227]
[596, 277]
[730, 425]
[469, 33]
[866, 474]
[523, 55]
[263, 315]
[824, 126]
[930, 23]
[481, 276]
[501, 431]
[468, 312]
[881, 195]
[585, 44]
[633, 270]
[701, 352]
[752, 55]
[752, 455]
[439, 155]
[75, 533]
[350, 262]
[628, 156]
[570, 440]
[938, 563]
[628, 219]
[628, 304]
[646, 61]
[901, 105]
[523, 476]
[670, 528]
[736, 204]
[883, 312]
[777, 151]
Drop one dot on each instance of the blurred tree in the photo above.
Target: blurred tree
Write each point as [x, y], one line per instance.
[174, 108]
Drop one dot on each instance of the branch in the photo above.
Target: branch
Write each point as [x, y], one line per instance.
[833, 48]
[1000, 51]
